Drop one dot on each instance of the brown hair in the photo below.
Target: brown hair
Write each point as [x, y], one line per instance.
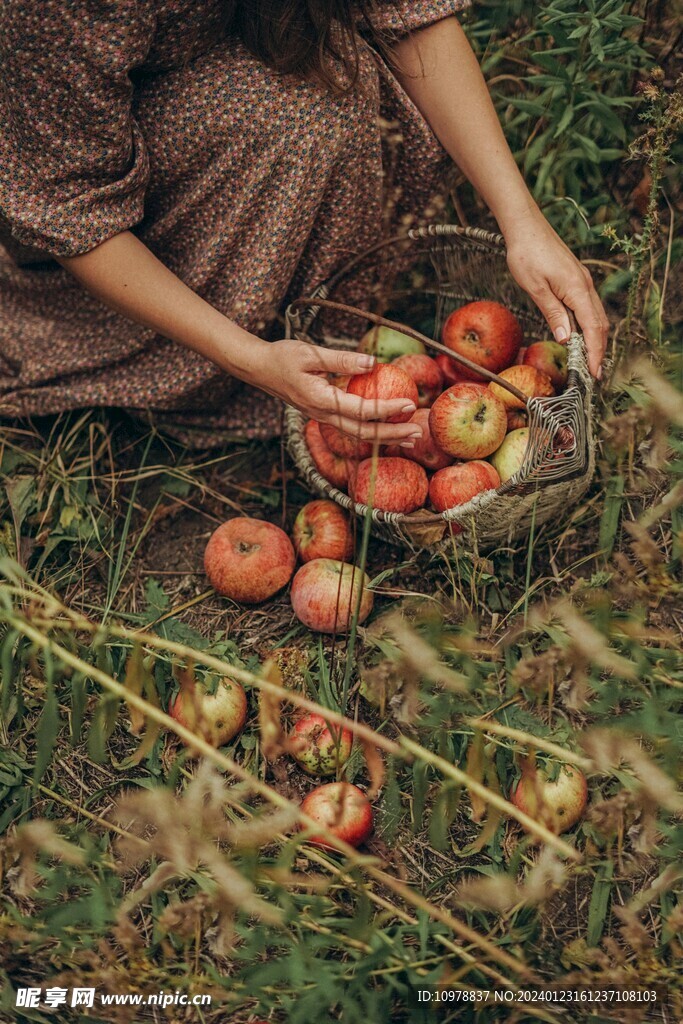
[308, 38]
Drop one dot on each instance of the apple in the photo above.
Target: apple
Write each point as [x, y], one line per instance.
[322, 529]
[343, 808]
[391, 484]
[344, 446]
[559, 804]
[528, 379]
[468, 421]
[333, 467]
[386, 344]
[249, 560]
[216, 717]
[484, 332]
[509, 457]
[456, 485]
[340, 380]
[449, 370]
[386, 381]
[325, 594]
[517, 418]
[318, 747]
[426, 374]
[425, 451]
[549, 357]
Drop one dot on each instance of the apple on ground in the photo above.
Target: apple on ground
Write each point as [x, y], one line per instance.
[456, 485]
[386, 344]
[335, 468]
[468, 421]
[320, 748]
[532, 382]
[216, 717]
[386, 381]
[325, 593]
[508, 459]
[551, 358]
[425, 450]
[249, 560]
[484, 332]
[343, 809]
[322, 529]
[427, 376]
[391, 484]
[558, 804]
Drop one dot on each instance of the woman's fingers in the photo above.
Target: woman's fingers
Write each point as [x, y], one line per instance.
[384, 433]
[592, 320]
[555, 314]
[354, 407]
[330, 360]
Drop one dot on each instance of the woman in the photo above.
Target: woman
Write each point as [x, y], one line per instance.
[173, 171]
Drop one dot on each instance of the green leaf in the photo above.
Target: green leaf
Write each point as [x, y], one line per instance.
[48, 727]
[597, 909]
[609, 521]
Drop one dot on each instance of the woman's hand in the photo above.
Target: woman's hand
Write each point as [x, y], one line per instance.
[295, 372]
[545, 268]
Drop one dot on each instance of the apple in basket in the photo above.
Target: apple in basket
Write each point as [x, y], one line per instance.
[216, 717]
[427, 376]
[386, 344]
[509, 457]
[549, 357]
[325, 594]
[344, 446]
[468, 421]
[322, 529]
[449, 370]
[517, 418]
[484, 332]
[333, 467]
[320, 748]
[456, 485]
[249, 560]
[343, 809]
[557, 804]
[527, 379]
[425, 450]
[384, 382]
[391, 484]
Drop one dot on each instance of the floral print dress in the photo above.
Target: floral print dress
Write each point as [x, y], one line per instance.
[251, 186]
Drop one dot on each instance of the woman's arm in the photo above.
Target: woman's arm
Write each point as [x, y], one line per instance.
[440, 73]
[129, 278]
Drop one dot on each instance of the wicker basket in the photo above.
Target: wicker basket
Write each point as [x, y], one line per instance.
[455, 265]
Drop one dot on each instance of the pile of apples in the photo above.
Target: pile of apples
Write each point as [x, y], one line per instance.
[473, 435]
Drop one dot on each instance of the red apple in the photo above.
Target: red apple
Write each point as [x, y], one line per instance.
[333, 467]
[386, 344]
[426, 374]
[216, 717]
[456, 485]
[559, 804]
[426, 451]
[325, 594]
[386, 381]
[517, 418]
[249, 560]
[484, 332]
[551, 358]
[322, 529]
[527, 379]
[390, 484]
[449, 370]
[343, 445]
[509, 457]
[318, 747]
[344, 809]
[468, 421]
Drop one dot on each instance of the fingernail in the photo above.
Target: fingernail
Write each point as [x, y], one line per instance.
[366, 361]
[561, 334]
[407, 444]
[408, 408]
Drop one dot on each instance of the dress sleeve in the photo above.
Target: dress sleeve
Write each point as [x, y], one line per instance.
[401, 16]
[73, 165]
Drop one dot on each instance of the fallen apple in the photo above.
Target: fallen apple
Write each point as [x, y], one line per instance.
[425, 372]
[468, 421]
[333, 467]
[425, 450]
[320, 748]
[532, 382]
[325, 593]
[558, 804]
[484, 332]
[216, 717]
[508, 459]
[456, 485]
[343, 809]
[391, 484]
[386, 343]
[249, 560]
[551, 358]
[386, 381]
[322, 529]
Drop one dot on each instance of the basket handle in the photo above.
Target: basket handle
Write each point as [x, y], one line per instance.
[381, 321]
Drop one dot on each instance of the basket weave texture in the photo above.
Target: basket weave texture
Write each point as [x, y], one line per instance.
[436, 269]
